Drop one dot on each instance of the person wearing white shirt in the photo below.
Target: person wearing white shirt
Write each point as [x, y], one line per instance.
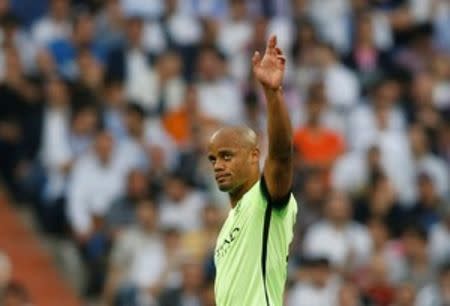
[138, 258]
[147, 142]
[98, 178]
[145, 9]
[182, 26]
[182, 206]
[337, 238]
[319, 289]
[341, 85]
[55, 151]
[428, 163]
[235, 34]
[12, 34]
[437, 293]
[54, 26]
[439, 246]
[367, 121]
[219, 98]
[131, 63]
[330, 16]
[66, 136]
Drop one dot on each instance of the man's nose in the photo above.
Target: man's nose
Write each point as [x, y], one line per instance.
[219, 165]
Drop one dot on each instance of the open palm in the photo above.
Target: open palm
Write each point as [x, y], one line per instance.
[269, 70]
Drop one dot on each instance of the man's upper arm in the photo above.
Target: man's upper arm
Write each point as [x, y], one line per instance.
[276, 182]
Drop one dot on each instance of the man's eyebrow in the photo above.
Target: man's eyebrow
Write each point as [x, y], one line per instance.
[227, 150]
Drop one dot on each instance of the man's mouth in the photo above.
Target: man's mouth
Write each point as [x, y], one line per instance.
[221, 177]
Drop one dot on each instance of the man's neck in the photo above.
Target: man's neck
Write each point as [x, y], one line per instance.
[237, 194]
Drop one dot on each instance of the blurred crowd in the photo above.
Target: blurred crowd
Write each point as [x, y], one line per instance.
[107, 106]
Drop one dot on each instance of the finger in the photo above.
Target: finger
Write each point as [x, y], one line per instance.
[256, 58]
[278, 51]
[281, 60]
[271, 44]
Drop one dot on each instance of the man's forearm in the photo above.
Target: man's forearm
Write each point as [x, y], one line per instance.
[279, 126]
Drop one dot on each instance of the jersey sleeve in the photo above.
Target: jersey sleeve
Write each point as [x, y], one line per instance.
[278, 204]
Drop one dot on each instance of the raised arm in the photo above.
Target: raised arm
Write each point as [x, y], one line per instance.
[278, 168]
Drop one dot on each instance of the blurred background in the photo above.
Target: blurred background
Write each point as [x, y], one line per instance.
[106, 107]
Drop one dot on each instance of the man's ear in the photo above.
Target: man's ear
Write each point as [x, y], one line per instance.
[255, 154]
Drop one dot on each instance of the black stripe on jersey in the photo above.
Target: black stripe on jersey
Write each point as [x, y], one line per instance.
[265, 237]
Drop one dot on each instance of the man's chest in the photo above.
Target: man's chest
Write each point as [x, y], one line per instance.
[239, 234]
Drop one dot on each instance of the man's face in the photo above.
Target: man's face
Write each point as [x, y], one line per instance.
[134, 123]
[210, 66]
[232, 162]
[137, 184]
[147, 215]
[104, 146]
[338, 208]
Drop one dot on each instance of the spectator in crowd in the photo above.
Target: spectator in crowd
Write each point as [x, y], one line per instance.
[418, 262]
[234, 37]
[57, 151]
[426, 162]
[138, 257]
[122, 212]
[55, 25]
[14, 36]
[20, 118]
[353, 172]
[98, 177]
[378, 288]
[427, 209]
[439, 247]
[189, 293]
[113, 105]
[350, 295]
[341, 86]
[317, 145]
[389, 248]
[382, 123]
[131, 62]
[64, 50]
[344, 243]
[320, 286]
[169, 87]
[182, 32]
[421, 108]
[217, 95]
[200, 243]
[437, 293]
[182, 206]
[380, 202]
[109, 25]
[313, 196]
[366, 58]
[368, 121]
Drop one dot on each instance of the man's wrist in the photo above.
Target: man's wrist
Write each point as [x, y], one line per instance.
[272, 92]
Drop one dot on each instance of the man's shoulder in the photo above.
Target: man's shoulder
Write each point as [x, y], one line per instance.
[258, 196]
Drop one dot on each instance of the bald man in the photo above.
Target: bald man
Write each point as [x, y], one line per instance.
[252, 247]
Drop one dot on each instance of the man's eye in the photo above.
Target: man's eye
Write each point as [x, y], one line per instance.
[227, 157]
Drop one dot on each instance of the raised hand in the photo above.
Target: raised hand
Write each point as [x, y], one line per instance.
[269, 70]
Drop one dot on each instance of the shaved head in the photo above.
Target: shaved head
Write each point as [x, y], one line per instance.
[242, 136]
[234, 153]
